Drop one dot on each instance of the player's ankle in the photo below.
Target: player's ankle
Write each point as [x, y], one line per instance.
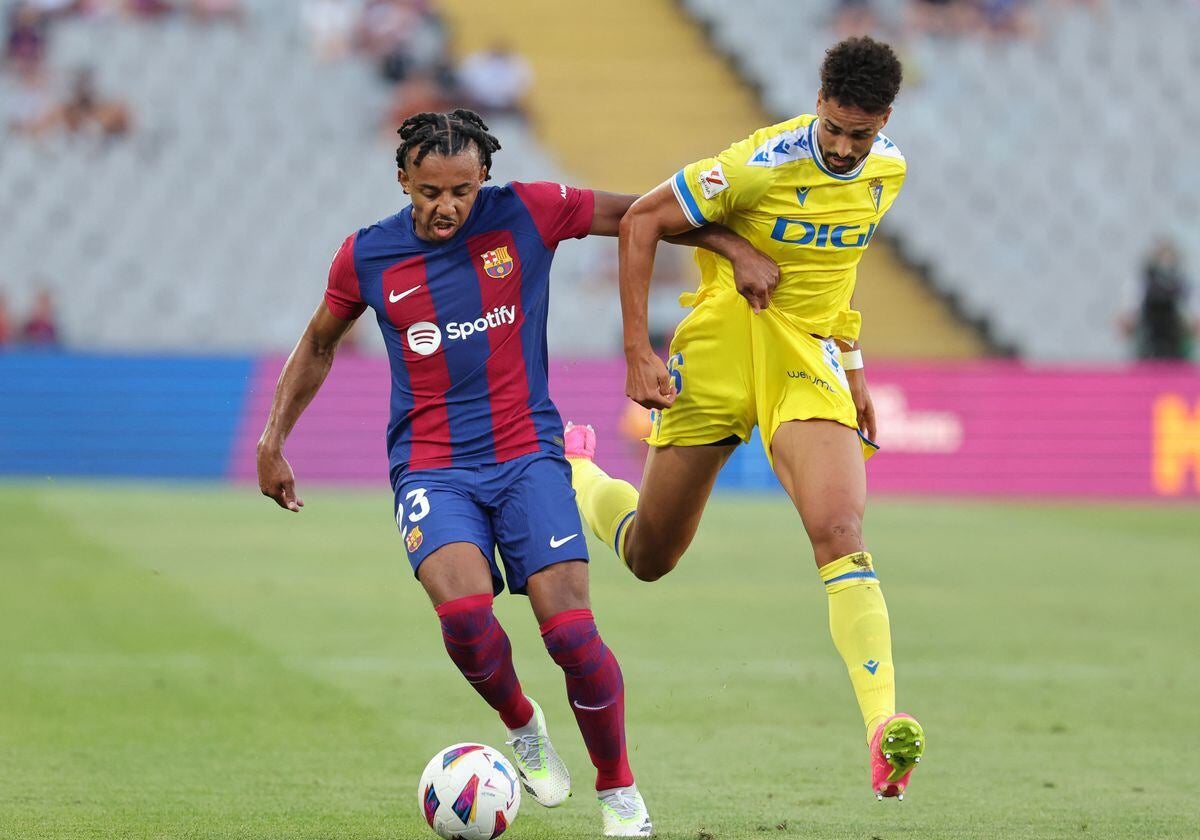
[529, 728]
[874, 725]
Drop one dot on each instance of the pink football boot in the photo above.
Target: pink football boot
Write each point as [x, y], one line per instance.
[579, 441]
[896, 749]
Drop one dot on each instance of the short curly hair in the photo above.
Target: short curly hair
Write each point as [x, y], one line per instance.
[861, 73]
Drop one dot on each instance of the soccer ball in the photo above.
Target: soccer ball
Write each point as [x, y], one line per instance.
[469, 792]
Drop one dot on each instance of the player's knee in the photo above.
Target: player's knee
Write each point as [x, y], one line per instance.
[472, 636]
[649, 562]
[836, 536]
[650, 573]
[573, 642]
[650, 566]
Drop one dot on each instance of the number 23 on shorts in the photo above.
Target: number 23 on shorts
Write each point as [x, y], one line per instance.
[418, 504]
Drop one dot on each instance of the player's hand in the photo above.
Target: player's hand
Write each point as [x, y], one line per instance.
[647, 380]
[756, 275]
[275, 479]
[862, 402]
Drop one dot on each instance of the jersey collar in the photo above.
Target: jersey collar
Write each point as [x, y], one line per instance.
[818, 157]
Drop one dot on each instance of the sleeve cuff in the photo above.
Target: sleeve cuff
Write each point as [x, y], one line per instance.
[341, 309]
[687, 202]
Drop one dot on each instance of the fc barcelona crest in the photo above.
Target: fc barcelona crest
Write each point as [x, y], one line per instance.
[876, 186]
[414, 539]
[497, 263]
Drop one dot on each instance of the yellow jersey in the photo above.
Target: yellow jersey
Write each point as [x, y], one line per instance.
[774, 190]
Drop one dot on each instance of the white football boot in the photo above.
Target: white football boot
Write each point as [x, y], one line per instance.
[624, 813]
[542, 772]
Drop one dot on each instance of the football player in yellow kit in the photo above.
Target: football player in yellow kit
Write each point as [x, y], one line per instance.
[780, 353]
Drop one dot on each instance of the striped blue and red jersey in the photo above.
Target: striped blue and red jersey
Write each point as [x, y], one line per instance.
[464, 322]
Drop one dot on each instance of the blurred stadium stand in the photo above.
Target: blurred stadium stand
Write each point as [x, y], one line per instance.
[212, 225]
[627, 90]
[1041, 168]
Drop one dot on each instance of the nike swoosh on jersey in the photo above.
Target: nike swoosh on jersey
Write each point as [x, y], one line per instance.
[555, 543]
[393, 297]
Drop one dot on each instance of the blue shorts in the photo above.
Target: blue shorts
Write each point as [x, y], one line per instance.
[524, 507]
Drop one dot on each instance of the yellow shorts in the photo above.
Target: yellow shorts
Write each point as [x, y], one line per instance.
[735, 370]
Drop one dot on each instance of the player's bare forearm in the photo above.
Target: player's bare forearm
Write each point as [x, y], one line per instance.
[636, 251]
[716, 238]
[303, 374]
[755, 274]
[611, 208]
[856, 378]
[863, 404]
[302, 377]
[647, 381]
[654, 216]
[608, 211]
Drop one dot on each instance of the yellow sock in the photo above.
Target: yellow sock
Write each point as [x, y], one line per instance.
[858, 621]
[606, 504]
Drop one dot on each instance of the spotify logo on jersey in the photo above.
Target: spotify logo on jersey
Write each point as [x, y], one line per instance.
[424, 338]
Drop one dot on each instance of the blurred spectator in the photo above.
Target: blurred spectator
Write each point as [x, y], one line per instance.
[212, 11]
[1007, 17]
[420, 49]
[31, 109]
[84, 110]
[330, 25]
[495, 80]
[384, 24]
[966, 17]
[854, 17]
[99, 8]
[419, 93]
[5, 325]
[56, 8]
[148, 8]
[943, 17]
[1159, 318]
[25, 37]
[40, 329]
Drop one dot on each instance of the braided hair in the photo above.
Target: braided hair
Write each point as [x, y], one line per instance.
[445, 134]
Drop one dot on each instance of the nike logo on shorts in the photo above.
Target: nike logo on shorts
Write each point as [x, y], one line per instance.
[556, 543]
[393, 296]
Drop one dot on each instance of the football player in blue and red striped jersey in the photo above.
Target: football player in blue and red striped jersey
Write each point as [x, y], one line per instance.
[459, 282]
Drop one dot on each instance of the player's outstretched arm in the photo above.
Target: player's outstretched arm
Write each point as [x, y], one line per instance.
[856, 378]
[299, 382]
[657, 215]
[755, 274]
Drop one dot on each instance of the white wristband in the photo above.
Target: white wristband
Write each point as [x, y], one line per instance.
[852, 359]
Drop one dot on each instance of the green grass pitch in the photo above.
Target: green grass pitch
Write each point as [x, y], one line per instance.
[190, 662]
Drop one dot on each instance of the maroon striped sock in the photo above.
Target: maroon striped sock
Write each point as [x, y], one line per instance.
[480, 648]
[596, 692]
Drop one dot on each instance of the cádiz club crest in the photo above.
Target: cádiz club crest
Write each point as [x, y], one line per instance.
[876, 186]
[497, 263]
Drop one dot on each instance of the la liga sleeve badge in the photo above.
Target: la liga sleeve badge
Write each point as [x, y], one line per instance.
[713, 181]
